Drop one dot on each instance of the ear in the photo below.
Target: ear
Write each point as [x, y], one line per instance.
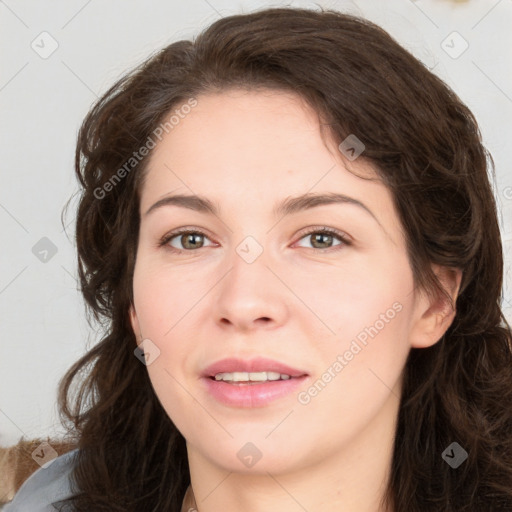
[135, 322]
[433, 316]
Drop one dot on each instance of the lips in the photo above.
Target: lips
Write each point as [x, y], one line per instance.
[259, 364]
[251, 394]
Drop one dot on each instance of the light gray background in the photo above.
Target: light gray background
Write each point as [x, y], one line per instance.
[43, 101]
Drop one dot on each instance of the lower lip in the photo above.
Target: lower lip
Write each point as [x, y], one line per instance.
[252, 395]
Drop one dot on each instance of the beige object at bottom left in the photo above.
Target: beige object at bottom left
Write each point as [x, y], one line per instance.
[17, 463]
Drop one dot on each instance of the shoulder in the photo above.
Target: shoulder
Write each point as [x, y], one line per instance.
[45, 486]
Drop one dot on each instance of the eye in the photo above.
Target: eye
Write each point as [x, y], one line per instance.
[322, 238]
[188, 238]
[191, 239]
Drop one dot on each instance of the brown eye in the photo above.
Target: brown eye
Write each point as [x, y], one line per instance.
[324, 238]
[184, 240]
[191, 240]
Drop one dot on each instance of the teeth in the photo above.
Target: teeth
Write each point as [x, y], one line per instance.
[251, 376]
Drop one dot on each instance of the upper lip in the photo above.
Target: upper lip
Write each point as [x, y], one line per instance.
[259, 364]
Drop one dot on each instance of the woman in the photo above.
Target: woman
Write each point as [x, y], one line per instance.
[289, 230]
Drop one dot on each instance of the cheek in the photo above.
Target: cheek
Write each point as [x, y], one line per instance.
[172, 392]
[359, 327]
[163, 300]
[344, 298]
[161, 296]
[359, 372]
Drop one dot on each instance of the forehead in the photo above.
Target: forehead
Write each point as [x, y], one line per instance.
[250, 150]
[245, 126]
[253, 137]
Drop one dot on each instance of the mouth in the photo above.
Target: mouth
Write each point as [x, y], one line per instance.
[251, 370]
[251, 383]
[251, 378]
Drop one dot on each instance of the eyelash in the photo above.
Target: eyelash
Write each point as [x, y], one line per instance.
[164, 241]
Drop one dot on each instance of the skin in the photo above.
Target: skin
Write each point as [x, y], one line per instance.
[299, 304]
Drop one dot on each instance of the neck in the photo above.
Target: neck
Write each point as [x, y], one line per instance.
[350, 479]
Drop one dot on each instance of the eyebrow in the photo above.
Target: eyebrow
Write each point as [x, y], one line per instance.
[289, 206]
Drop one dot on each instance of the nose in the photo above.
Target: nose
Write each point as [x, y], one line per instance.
[251, 296]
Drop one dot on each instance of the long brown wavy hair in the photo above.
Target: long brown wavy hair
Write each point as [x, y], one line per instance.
[427, 148]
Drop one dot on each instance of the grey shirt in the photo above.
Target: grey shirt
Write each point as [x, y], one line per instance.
[44, 487]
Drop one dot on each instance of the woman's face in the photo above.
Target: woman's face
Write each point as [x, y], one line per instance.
[258, 280]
